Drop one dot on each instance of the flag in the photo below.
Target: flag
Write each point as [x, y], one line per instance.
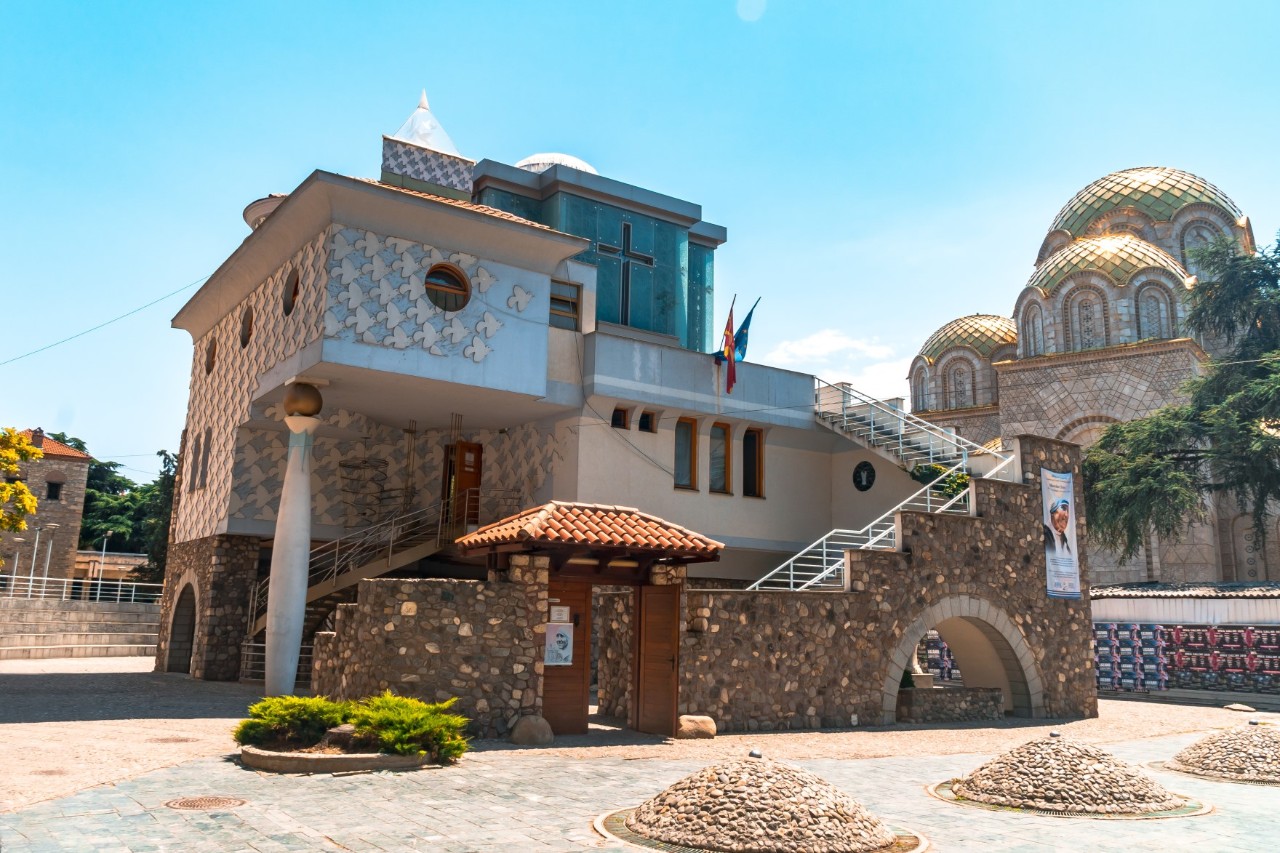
[728, 351]
[740, 339]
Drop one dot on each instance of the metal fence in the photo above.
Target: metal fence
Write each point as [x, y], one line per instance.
[253, 663]
[80, 589]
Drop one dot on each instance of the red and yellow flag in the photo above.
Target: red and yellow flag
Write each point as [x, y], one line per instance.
[729, 350]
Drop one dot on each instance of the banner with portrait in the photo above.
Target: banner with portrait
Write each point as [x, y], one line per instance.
[559, 648]
[1061, 554]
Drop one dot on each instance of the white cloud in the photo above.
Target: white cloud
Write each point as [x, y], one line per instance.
[821, 347]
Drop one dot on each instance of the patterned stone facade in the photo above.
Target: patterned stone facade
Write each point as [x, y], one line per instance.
[220, 570]
[950, 705]
[793, 661]
[433, 639]
[57, 545]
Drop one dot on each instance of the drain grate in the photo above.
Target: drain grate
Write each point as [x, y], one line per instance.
[204, 803]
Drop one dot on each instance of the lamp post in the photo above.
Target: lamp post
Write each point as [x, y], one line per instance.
[31, 575]
[287, 585]
[48, 553]
[17, 563]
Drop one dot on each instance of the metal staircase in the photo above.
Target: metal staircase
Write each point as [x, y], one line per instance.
[910, 441]
[389, 545]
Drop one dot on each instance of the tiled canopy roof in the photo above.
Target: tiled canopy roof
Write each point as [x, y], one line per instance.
[594, 526]
[1264, 589]
[54, 449]
[1157, 191]
[1117, 256]
[983, 333]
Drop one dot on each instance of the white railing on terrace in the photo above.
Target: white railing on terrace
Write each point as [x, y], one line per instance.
[79, 589]
[433, 524]
[821, 566]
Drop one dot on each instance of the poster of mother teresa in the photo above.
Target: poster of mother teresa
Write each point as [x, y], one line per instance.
[1061, 556]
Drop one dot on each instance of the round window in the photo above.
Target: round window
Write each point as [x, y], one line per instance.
[289, 294]
[447, 288]
[864, 476]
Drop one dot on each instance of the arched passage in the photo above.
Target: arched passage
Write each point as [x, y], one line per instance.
[182, 632]
[992, 652]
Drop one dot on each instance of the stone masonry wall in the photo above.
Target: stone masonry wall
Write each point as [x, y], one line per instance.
[805, 660]
[480, 641]
[222, 570]
[950, 705]
[612, 625]
[66, 512]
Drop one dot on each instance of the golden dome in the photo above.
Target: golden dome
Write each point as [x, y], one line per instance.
[1117, 256]
[1157, 191]
[982, 333]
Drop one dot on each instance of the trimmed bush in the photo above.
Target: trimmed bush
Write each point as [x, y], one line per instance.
[290, 720]
[405, 726]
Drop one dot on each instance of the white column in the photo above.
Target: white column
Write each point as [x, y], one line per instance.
[287, 588]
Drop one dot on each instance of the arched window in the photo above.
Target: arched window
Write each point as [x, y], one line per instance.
[1088, 322]
[1197, 235]
[959, 387]
[918, 400]
[1032, 332]
[1153, 315]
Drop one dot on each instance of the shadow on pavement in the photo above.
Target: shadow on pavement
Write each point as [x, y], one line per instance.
[69, 697]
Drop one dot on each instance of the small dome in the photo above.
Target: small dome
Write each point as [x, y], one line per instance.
[542, 162]
[423, 129]
[1117, 256]
[982, 333]
[1157, 191]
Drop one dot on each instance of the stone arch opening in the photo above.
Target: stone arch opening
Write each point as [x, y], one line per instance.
[988, 647]
[182, 632]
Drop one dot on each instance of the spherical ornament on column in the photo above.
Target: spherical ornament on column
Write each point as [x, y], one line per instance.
[302, 399]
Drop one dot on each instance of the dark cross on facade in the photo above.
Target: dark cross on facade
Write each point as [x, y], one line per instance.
[627, 255]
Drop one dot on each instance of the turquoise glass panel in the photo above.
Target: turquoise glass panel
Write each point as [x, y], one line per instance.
[701, 297]
[510, 202]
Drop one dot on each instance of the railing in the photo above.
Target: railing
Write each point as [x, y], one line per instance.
[253, 663]
[821, 566]
[430, 525]
[911, 439]
[80, 589]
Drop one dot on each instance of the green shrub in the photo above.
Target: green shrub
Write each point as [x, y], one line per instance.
[946, 487]
[405, 726]
[290, 720]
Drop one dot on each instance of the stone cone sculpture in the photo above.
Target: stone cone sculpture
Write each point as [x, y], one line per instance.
[760, 806]
[1057, 774]
[1246, 753]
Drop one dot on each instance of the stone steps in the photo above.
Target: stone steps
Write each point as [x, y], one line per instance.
[79, 651]
[78, 638]
[30, 623]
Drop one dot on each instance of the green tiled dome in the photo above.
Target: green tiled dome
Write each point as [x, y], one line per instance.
[1117, 256]
[983, 333]
[1157, 191]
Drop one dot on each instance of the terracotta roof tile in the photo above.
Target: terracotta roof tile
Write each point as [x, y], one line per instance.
[454, 202]
[594, 525]
[54, 449]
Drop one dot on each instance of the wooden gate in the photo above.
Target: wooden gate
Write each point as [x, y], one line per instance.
[659, 644]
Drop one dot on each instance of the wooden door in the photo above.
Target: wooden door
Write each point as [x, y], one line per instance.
[565, 689]
[464, 464]
[659, 643]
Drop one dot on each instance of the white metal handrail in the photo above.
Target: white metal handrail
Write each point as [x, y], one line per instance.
[80, 589]
[431, 524]
[253, 663]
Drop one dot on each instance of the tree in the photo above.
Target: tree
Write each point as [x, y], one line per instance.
[155, 527]
[1155, 474]
[16, 500]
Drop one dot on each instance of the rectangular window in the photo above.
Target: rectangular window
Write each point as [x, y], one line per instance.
[720, 478]
[686, 453]
[566, 299]
[648, 422]
[53, 491]
[753, 463]
[621, 419]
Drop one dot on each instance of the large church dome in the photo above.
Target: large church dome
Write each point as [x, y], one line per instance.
[1157, 191]
[1119, 257]
[982, 333]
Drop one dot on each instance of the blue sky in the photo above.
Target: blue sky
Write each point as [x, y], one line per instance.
[881, 168]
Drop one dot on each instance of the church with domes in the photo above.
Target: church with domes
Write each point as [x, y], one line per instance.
[1097, 336]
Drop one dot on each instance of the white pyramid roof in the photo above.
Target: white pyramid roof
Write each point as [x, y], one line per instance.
[424, 129]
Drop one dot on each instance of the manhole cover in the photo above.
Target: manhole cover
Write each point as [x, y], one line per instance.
[204, 803]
